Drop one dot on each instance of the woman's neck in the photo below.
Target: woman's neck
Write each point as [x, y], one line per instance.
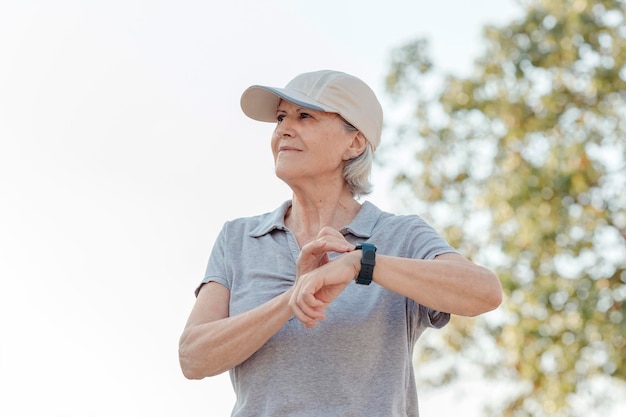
[310, 213]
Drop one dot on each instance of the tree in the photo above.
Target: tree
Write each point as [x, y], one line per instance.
[522, 166]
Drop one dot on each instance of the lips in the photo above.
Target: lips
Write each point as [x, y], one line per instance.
[287, 148]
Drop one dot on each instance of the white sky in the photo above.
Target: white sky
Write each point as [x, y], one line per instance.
[122, 152]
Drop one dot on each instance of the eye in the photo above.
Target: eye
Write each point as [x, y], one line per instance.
[280, 118]
[304, 115]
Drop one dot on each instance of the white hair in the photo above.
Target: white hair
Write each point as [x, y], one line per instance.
[356, 171]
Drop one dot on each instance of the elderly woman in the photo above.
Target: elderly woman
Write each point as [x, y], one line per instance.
[315, 307]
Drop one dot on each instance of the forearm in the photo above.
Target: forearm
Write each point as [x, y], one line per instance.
[211, 348]
[450, 284]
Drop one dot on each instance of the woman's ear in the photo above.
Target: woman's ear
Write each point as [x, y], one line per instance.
[357, 146]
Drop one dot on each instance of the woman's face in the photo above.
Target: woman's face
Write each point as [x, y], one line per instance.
[310, 145]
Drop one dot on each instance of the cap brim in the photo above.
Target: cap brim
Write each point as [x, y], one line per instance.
[259, 102]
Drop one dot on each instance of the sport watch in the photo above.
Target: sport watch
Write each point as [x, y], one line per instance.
[368, 260]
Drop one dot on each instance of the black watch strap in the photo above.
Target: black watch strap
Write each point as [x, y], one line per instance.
[368, 260]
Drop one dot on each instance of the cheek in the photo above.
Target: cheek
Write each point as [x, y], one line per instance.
[274, 144]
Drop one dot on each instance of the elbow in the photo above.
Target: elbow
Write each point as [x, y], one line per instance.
[493, 294]
[496, 293]
[193, 370]
[187, 365]
[190, 372]
[193, 373]
[488, 299]
[492, 301]
[188, 359]
[185, 358]
[193, 367]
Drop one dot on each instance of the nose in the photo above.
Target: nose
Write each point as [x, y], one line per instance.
[285, 127]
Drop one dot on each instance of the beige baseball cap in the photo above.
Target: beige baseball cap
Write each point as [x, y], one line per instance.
[326, 90]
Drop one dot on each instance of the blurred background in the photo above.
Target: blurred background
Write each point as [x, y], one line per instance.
[123, 150]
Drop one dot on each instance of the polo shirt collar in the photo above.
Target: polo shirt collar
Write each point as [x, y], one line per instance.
[361, 226]
[272, 221]
[363, 223]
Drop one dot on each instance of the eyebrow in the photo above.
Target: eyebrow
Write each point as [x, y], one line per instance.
[299, 109]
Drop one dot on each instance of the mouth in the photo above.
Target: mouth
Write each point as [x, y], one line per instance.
[287, 149]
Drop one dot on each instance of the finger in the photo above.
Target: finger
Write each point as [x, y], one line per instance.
[296, 308]
[335, 244]
[306, 307]
[315, 248]
[329, 231]
[303, 317]
[330, 234]
[310, 306]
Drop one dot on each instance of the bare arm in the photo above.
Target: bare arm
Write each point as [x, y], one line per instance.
[212, 342]
[450, 283]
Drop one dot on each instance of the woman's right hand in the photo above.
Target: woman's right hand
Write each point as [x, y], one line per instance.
[315, 254]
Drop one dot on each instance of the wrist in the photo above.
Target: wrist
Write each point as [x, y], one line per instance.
[355, 261]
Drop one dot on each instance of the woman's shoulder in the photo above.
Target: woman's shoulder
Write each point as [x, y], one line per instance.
[259, 223]
[389, 219]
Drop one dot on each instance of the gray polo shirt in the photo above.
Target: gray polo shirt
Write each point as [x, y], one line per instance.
[358, 362]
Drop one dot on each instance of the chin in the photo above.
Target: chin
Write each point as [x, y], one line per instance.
[287, 173]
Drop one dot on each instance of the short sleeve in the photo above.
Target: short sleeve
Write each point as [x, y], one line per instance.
[216, 270]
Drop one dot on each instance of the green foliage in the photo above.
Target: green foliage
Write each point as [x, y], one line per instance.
[523, 167]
